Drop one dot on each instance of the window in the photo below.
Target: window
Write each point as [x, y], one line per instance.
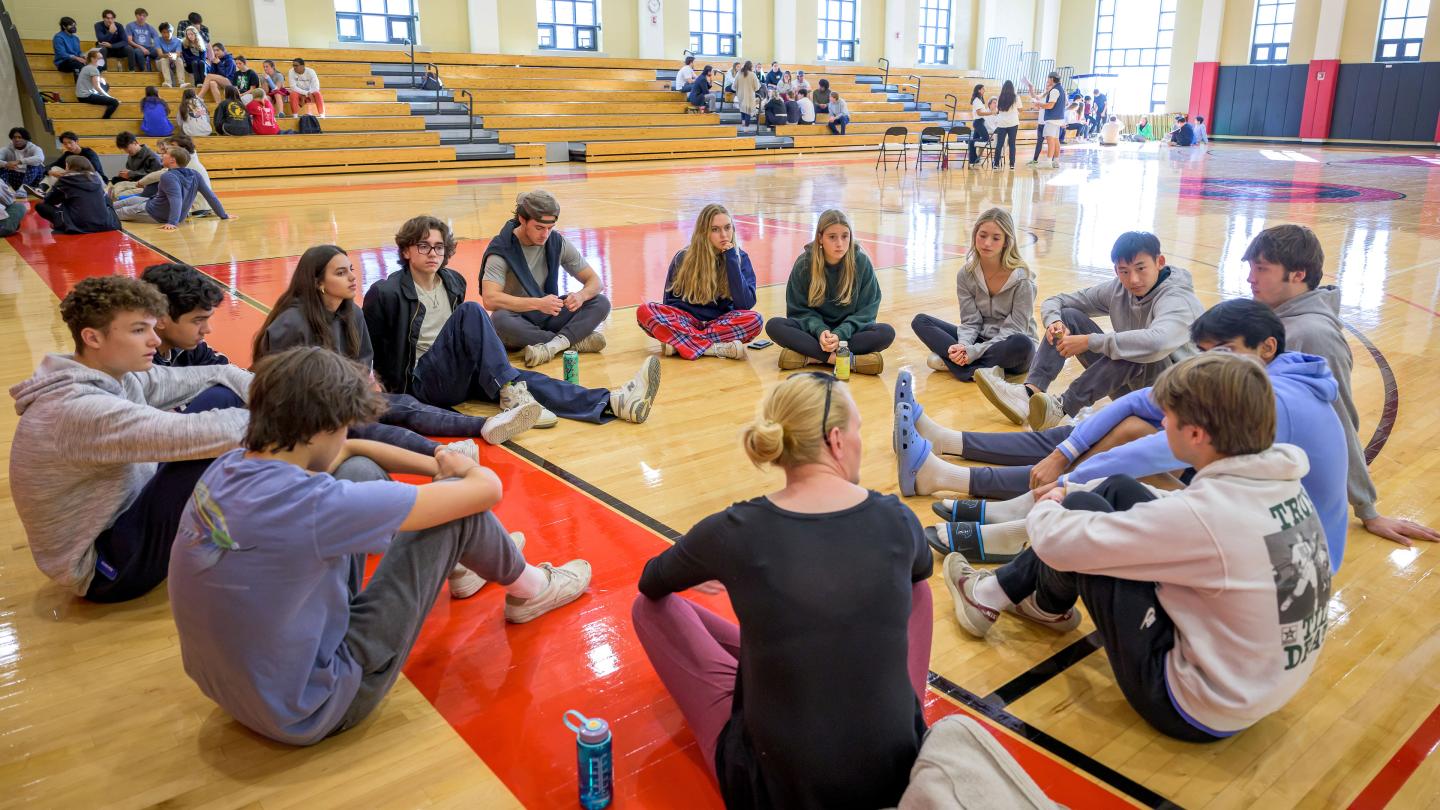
[1273, 22]
[714, 27]
[935, 39]
[837, 31]
[1134, 44]
[568, 25]
[375, 20]
[1402, 30]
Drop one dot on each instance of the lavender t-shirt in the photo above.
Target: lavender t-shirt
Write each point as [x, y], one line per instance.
[259, 585]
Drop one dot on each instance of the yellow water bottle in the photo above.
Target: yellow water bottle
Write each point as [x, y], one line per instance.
[842, 361]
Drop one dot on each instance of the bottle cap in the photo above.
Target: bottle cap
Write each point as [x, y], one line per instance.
[589, 730]
[844, 344]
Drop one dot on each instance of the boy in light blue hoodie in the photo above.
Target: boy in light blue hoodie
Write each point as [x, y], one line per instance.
[1304, 393]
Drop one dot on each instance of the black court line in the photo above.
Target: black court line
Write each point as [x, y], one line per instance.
[1390, 411]
[1031, 679]
[225, 285]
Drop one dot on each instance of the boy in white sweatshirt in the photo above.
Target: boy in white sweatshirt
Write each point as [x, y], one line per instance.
[102, 462]
[1211, 601]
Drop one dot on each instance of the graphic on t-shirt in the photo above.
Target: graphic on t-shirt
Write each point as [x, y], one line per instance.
[1300, 563]
[214, 538]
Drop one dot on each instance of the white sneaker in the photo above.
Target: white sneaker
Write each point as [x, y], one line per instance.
[632, 400]
[934, 361]
[516, 394]
[467, 448]
[567, 583]
[465, 583]
[1011, 399]
[1044, 411]
[538, 354]
[591, 343]
[506, 425]
[730, 350]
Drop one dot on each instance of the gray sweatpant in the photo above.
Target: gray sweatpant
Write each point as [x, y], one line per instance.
[517, 330]
[1018, 450]
[133, 210]
[386, 615]
[1103, 376]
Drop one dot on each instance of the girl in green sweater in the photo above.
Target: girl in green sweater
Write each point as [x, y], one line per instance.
[832, 296]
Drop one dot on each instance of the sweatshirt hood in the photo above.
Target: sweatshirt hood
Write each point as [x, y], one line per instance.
[1172, 277]
[1308, 370]
[57, 376]
[1323, 301]
[1279, 462]
[87, 181]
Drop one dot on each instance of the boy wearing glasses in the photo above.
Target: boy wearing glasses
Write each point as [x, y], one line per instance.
[443, 350]
[520, 282]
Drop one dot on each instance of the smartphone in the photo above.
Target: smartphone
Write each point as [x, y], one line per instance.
[760, 343]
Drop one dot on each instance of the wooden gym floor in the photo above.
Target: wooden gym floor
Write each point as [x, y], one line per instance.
[95, 709]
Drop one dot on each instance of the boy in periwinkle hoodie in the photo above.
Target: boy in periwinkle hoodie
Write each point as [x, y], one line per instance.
[1211, 601]
[1150, 305]
[102, 463]
[1286, 266]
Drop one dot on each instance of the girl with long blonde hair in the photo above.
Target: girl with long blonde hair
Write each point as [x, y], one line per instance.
[709, 294]
[997, 307]
[832, 297]
[786, 734]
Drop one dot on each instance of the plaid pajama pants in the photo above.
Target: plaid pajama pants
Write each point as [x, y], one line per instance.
[691, 336]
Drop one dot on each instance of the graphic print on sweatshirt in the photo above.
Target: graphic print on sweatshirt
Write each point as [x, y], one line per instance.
[1300, 562]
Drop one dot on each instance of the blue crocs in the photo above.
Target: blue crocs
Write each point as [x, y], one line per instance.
[911, 449]
[905, 395]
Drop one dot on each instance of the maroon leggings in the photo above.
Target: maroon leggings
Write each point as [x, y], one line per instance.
[697, 654]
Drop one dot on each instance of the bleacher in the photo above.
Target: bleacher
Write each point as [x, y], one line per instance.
[505, 109]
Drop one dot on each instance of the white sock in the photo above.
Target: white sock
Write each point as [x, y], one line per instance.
[989, 593]
[557, 344]
[935, 475]
[1014, 509]
[532, 582]
[1005, 538]
[947, 441]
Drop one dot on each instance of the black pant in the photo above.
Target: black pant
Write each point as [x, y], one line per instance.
[104, 101]
[1012, 354]
[978, 136]
[875, 337]
[51, 213]
[133, 555]
[1137, 632]
[1001, 135]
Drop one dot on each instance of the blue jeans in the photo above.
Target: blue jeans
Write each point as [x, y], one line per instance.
[14, 213]
[408, 421]
[468, 361]
[837, 125]
[133, 555]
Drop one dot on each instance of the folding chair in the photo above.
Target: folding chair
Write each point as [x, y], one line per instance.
[932, 143]
[887, 147]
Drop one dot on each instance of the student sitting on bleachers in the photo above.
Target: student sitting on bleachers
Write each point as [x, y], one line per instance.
[194, 119]
[262, 116]
[171, 203]
[155, 114]
[792, 109]
[786, 84]
[839, 115]
[108, 462]
[21, 161]
[304, 89]
[826, 711]
[91, 87]
[730, 76]
[520, 282]
[142, 40]
[140, 161]
[822, 97]
[195, 21]
[69, 57]
[77, 203]
[832, 296]
[231, 117]
[775, 112]
[274, 86]
[110, 37]
[172, 68]
[247, 81]
[806, 106]
[195, 53]
[685, 76]
[699, 89]
[433, 344]
[220, 73]
[1212, 601]
[773, 78]
[300, 657]
[709, 294]
[801, 83]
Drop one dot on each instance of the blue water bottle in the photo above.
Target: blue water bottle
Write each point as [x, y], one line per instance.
[597, 770]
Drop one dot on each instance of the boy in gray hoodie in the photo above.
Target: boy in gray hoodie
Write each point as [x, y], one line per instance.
[102, 463]
[1151, 306]
[1286, 266]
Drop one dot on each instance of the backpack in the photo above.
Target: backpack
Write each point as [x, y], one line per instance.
[309, 125]
[234, 120]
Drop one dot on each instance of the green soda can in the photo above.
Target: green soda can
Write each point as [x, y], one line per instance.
[572, 367]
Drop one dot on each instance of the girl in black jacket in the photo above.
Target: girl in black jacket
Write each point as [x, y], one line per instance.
[77, 203]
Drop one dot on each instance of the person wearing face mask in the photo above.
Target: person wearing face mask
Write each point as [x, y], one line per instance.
[832, 296]
[826, 711]
[69, 58]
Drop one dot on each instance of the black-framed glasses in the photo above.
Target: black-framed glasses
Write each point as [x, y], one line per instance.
[427, 249]
[830, 380]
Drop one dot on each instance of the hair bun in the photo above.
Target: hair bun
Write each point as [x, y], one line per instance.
[764, 440]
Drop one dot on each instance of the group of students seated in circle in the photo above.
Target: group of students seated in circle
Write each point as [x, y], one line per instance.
[774, 98]
[75, 198]
[185, 57]
[145, 454]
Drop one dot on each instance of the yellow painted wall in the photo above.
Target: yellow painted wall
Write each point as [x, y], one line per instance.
[311, 25]
[517, 27]
[871, 32]
[1362, 22]
[1240, 23]
[228, 21]
[1076, 46]
[1182, 53]
[619, 27]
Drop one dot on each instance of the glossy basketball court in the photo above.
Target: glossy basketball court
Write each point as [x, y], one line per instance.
[95, 708]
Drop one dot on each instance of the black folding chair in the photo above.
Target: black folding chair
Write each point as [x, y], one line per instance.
[887, 147]
[932, 144]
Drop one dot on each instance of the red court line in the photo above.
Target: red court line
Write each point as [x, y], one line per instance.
[1420, 307]
[1401, 766]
